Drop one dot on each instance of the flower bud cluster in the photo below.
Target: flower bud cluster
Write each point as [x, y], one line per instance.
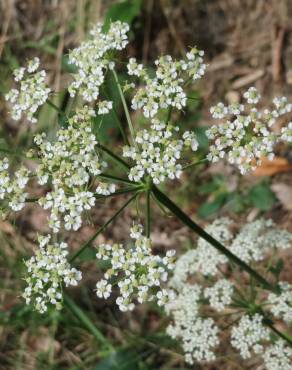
[245, 136]
[68, 163]
[32, 93]
[12, 189]
[138, 273]
[92, 59]
[166, 89]
[47, 271]
[158, 152]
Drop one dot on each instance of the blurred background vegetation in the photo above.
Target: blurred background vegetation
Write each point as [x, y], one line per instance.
[246, 42]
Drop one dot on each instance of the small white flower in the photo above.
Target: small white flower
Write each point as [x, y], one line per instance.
[248, 335]
[32, 93]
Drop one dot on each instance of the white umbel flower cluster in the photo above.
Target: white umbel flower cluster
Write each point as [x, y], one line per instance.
[278, 356]
[245, 136]
[281, 304]
[158, 152]
[199, 336]
[248, 336]
[165, 90]
[220, 294]
[47, 271]
[140, 274]
[204, 264]
[32, 93]
[93, 60]
[255, 239]
[69, 162]
[12, 192]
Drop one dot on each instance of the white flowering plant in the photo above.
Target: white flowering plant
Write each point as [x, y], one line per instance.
[74, 166]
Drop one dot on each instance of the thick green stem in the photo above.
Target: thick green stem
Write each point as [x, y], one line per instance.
[101, 229]
[163, 199]
[282, 335]
[127, 113]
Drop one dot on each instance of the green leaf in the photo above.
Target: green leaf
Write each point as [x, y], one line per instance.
[207, 209]
[124, 11]
[261, 196]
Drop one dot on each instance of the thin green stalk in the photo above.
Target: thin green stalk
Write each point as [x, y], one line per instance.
[203, 234]
[168, 115]
[196, 163]
[101, 229]
[130, 189]
[123, 133]
[53, 105]
[116, 179]
[85, 320]
[31, 200]
[148, 213]
[115, 157]
[127, 113]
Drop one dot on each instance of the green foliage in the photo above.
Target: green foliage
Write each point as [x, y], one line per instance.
[124, 11]
[259, 196]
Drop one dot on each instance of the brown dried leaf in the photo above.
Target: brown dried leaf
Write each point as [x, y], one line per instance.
[269, 168]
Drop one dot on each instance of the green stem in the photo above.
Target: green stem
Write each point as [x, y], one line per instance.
[115, 157]
[101, 229]
[53, 105]
[282, 335]
[85, 320]
[196, 163]
[203, 234]
[116, 179]
[130, 189]
[148, 213]
[127, 113]
[118, 121]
